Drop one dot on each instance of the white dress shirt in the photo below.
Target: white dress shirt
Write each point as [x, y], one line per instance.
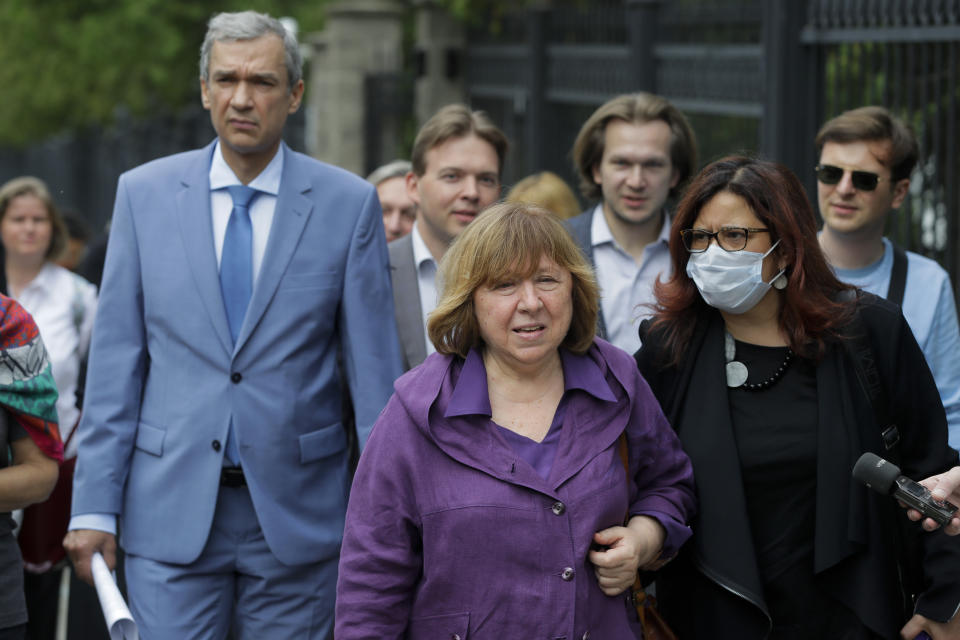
[63, 305]
[426, 282]
[626, 287]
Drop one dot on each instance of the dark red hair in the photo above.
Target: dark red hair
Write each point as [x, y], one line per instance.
[811, 309]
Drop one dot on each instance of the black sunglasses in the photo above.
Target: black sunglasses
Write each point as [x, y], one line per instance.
[861, 180]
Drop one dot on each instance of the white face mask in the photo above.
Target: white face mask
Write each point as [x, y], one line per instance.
[730, 281]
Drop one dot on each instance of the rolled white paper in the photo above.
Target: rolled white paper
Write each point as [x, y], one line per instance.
[119, 621]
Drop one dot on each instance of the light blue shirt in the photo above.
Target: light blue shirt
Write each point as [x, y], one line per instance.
[928, 306]
[261, 210]
[626, 288]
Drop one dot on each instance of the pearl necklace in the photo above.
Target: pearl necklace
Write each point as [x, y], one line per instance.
[737, 371]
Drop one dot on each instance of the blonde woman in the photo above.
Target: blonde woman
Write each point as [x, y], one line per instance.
[490, 499]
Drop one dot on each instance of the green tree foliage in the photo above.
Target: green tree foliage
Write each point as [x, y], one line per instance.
[71, 63]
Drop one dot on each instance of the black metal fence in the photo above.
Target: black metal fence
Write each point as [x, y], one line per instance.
[754, 75]
[751, 75]
[81, 168]
[388, 118]
[903, 55]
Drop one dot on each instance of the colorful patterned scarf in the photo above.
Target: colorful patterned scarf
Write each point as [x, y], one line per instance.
[27, 389]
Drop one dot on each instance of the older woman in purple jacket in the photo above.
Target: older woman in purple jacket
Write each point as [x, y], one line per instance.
[490, 500]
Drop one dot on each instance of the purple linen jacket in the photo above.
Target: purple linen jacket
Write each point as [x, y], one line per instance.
[450, 534]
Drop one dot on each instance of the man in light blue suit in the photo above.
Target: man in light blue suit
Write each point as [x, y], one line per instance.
[212, 426]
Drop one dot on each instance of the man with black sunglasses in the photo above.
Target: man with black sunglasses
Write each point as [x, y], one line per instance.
[866, 158]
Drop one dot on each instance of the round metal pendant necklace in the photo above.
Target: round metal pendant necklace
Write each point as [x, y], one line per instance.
[737, 373]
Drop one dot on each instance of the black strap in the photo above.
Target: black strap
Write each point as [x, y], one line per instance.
[898, 276]
[864, 363]
[232, 477]
[909, 552]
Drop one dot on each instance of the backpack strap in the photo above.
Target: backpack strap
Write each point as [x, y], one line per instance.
[860, 351]
[909, 551]
[898, 276]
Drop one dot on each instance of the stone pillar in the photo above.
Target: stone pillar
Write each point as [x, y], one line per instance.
[361, 37]
[440, 56]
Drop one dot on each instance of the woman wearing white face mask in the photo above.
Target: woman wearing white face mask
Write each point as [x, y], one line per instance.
[750, 358]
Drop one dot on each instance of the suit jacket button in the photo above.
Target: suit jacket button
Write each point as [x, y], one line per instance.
[568, 574]
[235, 377]
[558, 508]
[216, 445]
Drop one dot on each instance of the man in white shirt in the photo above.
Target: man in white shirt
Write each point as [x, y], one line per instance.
[863, 176]
[457, 164]
[633, 154]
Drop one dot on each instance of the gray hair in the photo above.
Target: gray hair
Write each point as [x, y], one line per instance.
[395, 169]
[247, 25]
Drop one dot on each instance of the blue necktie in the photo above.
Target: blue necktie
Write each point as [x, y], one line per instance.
[236, 278]
[236, 261]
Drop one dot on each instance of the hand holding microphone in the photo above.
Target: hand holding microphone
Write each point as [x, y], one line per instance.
[884, 477]
[943, 486]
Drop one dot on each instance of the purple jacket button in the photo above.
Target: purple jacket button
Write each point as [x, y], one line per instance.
[568, 574]
[558, 508]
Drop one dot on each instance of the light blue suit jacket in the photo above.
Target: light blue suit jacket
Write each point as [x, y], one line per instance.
[165, 381]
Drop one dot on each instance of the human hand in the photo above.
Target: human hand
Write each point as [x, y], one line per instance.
[82, 543]
[937, 630]
[945, 486]
[626, 550]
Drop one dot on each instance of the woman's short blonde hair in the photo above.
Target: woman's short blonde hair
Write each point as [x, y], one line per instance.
[549, 191]
[507, 241]
[30, 186]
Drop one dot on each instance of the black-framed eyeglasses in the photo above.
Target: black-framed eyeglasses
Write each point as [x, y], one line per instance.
[861, 180]
[729, 238]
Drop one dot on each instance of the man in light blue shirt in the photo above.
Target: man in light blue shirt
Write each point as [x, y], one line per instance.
[866, 157]
[633, 154]
[238, 277]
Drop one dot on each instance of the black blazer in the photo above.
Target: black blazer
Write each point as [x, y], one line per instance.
[713, 590]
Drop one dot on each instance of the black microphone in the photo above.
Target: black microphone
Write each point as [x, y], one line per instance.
[884, 477]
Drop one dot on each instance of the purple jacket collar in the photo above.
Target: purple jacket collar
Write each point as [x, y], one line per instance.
[590, 427]
[471, 395]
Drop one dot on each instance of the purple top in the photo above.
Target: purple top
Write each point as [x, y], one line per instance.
[450, 532]
[471, 397]
[538, 455]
